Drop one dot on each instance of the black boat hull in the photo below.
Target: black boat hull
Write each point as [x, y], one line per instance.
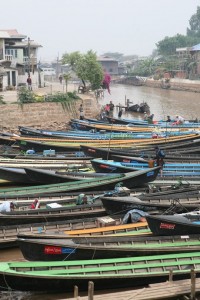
[29, 283]
[172, 225]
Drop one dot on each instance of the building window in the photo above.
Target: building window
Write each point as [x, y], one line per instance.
[12, 52]
[110, 70]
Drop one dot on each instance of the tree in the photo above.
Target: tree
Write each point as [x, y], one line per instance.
[145, 67]
[194, 30]
[168, 45]
[71, 59]
[66, 77]
[86, 68]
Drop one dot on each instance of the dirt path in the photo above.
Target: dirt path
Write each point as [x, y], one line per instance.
[50, 88]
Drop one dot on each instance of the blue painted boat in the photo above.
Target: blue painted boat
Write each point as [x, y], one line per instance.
[86, 125]
[169, 169]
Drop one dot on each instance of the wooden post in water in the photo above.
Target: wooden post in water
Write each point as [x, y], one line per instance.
[171, 275]
[90, 290]
[193, 284]
[76, 292]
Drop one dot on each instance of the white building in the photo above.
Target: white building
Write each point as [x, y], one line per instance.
[18, 58]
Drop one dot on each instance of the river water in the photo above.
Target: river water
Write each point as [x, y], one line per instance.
[162, 103]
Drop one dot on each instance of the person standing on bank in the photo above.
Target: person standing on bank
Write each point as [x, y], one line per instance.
[81, 112]
[168, 119]
[111, 109]
[160, 155]
[29, 82]
[120, 112]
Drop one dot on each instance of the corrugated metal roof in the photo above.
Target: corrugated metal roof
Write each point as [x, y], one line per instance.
[196, 48]
[11, 33]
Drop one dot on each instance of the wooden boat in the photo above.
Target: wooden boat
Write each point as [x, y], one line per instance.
[118, 230]
[174, 225]
[121, 205]
[49, 155]
[62, 249]
[17, 175]
[45, 164]
[52, 214]
[130, 180]
[139, 122]
[169, 169]
[85, 125]
[67, 229]
[73, 145]
[144, 158]
[130, 155]
[179, 191]
[39, 146]
[78, 134]
[106, 273]
[51, 176]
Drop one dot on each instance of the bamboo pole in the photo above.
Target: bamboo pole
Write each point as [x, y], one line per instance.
[171, 275]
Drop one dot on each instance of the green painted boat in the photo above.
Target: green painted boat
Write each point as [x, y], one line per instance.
[130, 180]
[105, 273]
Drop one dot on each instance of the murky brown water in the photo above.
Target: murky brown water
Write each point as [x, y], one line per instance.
[162, 103]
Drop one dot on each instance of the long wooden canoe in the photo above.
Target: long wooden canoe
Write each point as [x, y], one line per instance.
[66, 229]
[52, 214]
[121, 205]
[51, 176]
[106, 273]
[62, 249]
[130, 180]
[75, 145]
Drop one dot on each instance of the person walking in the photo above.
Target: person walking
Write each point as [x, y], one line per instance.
[60, 78]
[29, 82]
[159, 156]
[81, 112]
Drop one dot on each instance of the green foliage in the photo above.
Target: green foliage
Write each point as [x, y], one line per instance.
[71, 59]
[25, 96]
[73, 95]
[146, 67]
[194, 30]
[1, 99]
[61, 97]
[66, 77]
[168, 45]
[86, 67]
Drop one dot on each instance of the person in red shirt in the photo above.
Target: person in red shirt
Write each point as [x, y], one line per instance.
[35, 204]
[29, 82]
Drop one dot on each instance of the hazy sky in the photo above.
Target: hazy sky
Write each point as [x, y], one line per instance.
[125, 26]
